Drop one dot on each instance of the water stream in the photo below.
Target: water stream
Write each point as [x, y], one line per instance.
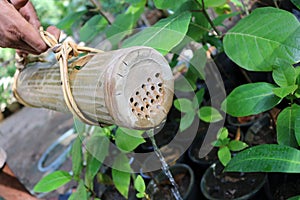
[164, 166]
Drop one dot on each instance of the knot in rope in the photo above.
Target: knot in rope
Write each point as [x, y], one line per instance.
[63, 52]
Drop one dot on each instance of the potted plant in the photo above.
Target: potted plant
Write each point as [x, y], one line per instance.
[253, 98]
[160, 187]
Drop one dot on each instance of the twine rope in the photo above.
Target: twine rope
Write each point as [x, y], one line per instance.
[63, 52]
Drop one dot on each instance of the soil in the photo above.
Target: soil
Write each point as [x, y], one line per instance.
[261, 132]
[111, 193]
[232, 185]
[164, 187]
[287, 190]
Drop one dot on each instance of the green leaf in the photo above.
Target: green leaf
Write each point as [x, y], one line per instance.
[121, 179]
[198, 63]
[285, 126]
[296, 3]
[236, 145]
[67, 22]
[250, 99]
[92, 28]
[198, 98]
[124, 23]
[285, 91]
[128, 142]
[184, 105]
[224, 155]
[92, 167]
[79, 126]
[80, 193]
[52, 181]
[209, 114]
[98, 147]
[213, 3]
[77, 161]
[266, 158]
[259, 40]
[218, 21]
[164, 35]
[222, 134]
[295, 197]
[284, 75]
[140, 195]
[139, 184]
[168, 4]
[186, 121]
[297, 124]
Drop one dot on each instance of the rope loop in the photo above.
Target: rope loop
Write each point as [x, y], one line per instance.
[63, 52]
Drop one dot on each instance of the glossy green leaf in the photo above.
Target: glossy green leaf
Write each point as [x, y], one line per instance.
[164, 35]
[236, 145]
[295, 197]
[224, 155]
[139, 184]
[297, 125]
[80, 193]
[168, 4]
[124, 23]
[285, 126]
[52, 181]
[121, 179]
[92, 28]
[296, 3]
[77, 161]
[184, 105]
[209, 114]
[128, 142]
[250, 99]
[198, 98]
[285, 91]
[186, 121]
[284, 75]
[259, 40]
[222, 134]
[266, 158]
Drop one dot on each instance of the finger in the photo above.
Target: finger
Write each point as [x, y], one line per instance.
[23, 49]
[32, 37]
[29, 13]
[54, 31]
[18, 3]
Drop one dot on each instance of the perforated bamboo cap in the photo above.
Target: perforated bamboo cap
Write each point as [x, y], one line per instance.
[139, 88]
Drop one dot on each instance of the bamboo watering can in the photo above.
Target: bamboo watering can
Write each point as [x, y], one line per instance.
[131, 87]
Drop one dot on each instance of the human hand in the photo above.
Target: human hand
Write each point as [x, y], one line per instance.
[19, 27]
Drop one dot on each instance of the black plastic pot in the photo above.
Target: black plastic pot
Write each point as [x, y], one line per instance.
[282, 186]
[261, 132]
[159, 187]
[112, 193]
[218, 185]
[203, 163]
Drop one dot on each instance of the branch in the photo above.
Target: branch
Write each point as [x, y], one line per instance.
[207, 17]
[98, 8]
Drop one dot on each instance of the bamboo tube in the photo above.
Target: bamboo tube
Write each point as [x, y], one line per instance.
[130, 87]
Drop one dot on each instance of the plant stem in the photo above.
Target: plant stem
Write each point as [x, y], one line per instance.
[202, 7]
[245, 7]
[98, 8]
